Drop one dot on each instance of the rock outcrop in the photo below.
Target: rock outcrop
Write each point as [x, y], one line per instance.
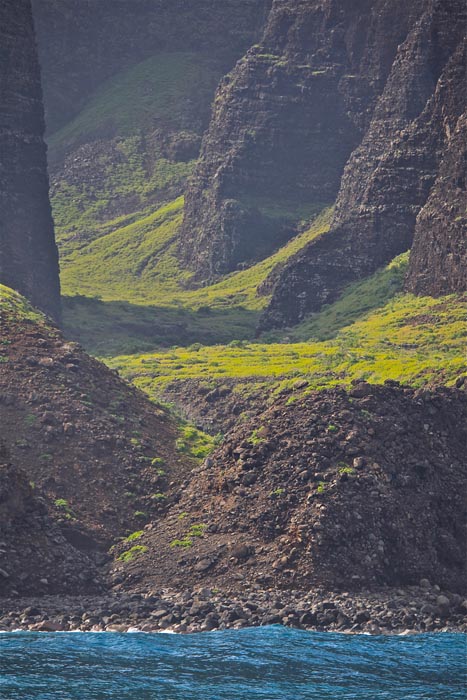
[389, 176]
[344, 490]
[284, 124]
[28, 255]
[354, 100]
[438, 259]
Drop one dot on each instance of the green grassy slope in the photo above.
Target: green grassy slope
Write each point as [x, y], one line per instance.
[13, 304]
[152, 92]
[122, 160]
[416, 340]
[140, 292]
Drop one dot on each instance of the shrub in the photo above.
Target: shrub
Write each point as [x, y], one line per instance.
[130, 554]
[185, 543]
[63, 504]
[346, 470]
[196, 530]
[276, 493]
[157, 462]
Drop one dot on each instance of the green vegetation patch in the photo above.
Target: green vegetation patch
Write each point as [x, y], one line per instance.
[12, 304]
[130, 554]
[134, 536]
[194, 442]
[359, 299]
[63, 505]
[152, 92]
[128, 293]
[416, 340]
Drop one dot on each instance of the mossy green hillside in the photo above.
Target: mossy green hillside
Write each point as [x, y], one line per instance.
[159, 90]
[138, 263]
[123, 188]
[13, 305]
[416, 340]
[357, 300]
[138, 296]
[121, 167]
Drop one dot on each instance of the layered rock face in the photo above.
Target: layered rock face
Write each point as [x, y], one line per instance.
[284, 124]
[438, 260]
[28, 255]
[389, 176]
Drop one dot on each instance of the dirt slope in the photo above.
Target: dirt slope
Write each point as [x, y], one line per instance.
[85, 437]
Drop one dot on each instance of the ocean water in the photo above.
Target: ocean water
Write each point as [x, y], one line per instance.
[266, 663]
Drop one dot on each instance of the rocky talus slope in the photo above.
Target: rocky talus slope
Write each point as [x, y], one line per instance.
[28, 255]
[344, 491]
[35, 557]
[101, 453]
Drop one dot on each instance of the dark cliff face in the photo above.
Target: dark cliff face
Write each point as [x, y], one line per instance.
[28, 255]
[438, 260]
[389, 176]
[84, 43]
[284, 124]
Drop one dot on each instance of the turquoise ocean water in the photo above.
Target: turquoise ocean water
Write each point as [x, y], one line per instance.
[268, 663]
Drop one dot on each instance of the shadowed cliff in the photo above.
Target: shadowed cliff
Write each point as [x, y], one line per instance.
[28, 255]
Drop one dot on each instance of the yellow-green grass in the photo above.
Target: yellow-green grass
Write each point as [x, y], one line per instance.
[416, 340]
[138, 263]
[133, 263]
[13, 305]
[357, 300]
[137, 296]
[83, 210]
[127, 172]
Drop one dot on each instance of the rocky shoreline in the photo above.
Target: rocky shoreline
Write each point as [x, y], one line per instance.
[412, 609]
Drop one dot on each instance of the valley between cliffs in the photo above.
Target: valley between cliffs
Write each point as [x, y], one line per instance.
[241, 400]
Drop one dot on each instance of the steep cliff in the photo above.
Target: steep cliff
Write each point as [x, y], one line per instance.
[28, 255]
[284, 124]
[438, 260]
[388, 178]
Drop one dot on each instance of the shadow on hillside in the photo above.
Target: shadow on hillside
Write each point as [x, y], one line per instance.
[109, 328]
